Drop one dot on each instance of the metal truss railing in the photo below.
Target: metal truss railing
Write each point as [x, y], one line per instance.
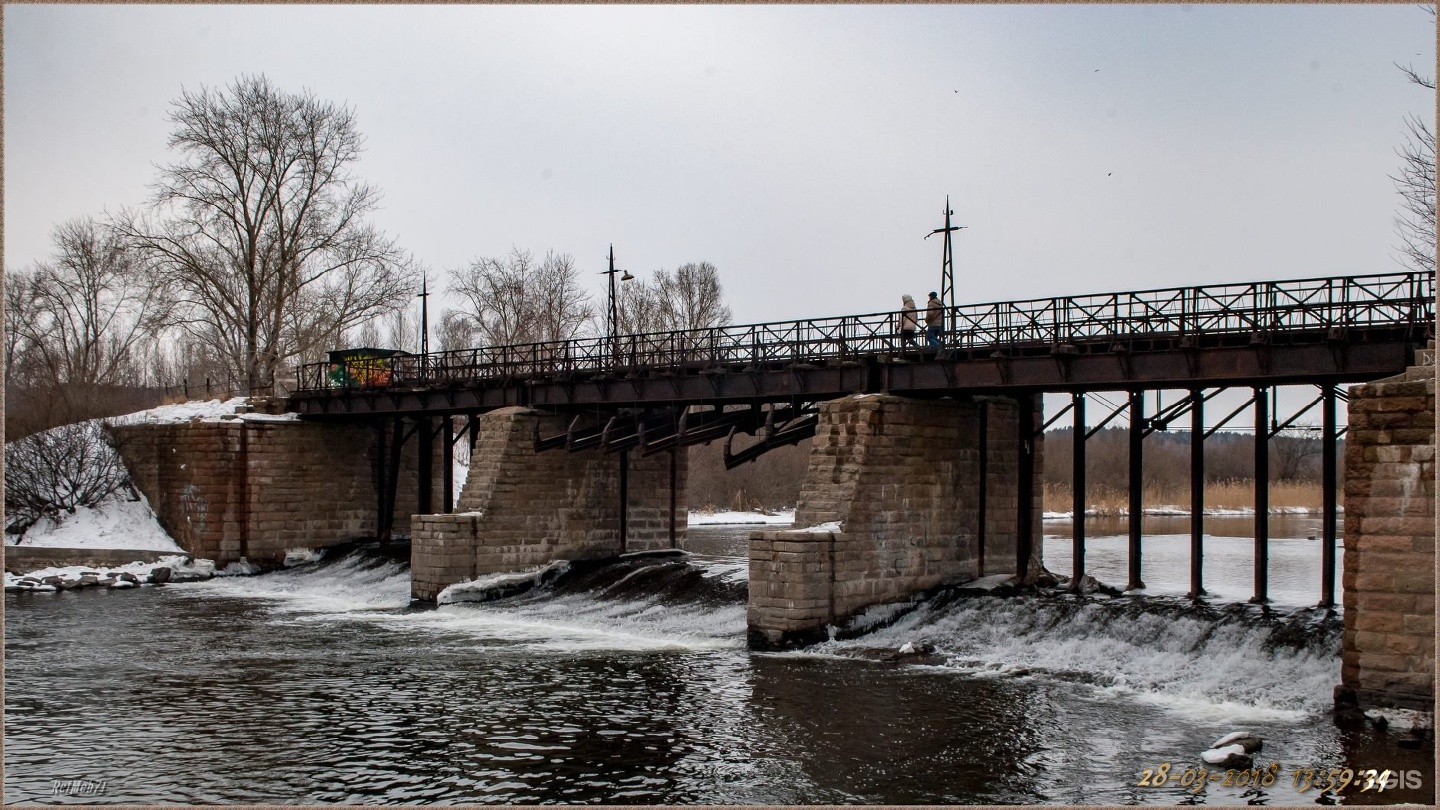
[1332, 305]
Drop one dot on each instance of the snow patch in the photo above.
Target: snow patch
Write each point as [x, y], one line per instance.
[727, 518]
[112, 524]
[829, 527]
[182, 412]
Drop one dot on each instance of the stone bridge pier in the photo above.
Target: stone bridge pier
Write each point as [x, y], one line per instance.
[521, 508]
[900, 496]
[1387, 657]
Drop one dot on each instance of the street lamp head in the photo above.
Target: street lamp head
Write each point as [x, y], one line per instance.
[627, 276]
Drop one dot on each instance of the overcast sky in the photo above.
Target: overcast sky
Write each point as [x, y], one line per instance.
[805, 151]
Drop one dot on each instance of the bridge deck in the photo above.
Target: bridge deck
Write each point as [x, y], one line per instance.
[1262, 333]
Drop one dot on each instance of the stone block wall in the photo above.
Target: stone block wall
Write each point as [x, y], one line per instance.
[899, 482]
[1388, 648]
[520, 508]
[255, 488]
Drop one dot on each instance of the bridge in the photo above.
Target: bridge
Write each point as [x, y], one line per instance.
[925, 464]
[1266, 333]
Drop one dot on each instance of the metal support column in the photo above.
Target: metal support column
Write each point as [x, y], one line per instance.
[674, 478]
[1137, 466]
[1197, 493]
[1025, 487]
[1077, 492]
[392, 481]
[447, 460]
[425, 434]
[624, 496]
[1262, 497]
[1328, 478]
[984, 451]
[380, 484]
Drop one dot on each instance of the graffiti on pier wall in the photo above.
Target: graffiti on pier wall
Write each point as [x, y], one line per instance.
[196, 509]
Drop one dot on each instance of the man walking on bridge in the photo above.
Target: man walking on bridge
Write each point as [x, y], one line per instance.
[934, 321]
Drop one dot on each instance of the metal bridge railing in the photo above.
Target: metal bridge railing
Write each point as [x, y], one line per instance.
[1269, 307]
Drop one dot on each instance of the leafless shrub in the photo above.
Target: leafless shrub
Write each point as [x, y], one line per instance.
[54, 472]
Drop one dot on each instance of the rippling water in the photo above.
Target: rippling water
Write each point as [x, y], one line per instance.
[631, 684]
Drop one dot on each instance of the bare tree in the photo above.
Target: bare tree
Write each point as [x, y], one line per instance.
[84, 321]
[1293, 455]
[693, 297]
[1416, 182]
[22, 318]
[689, 298]
[455, 332]
[513, 299]
[639, 307]
[259, 229]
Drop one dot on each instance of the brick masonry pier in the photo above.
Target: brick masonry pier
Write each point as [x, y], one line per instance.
[1388, 653]
[891, 507]
[520, 508]
[255, 487]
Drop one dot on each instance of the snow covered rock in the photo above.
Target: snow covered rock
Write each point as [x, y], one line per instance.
[1229, 756]
[1250, 742]
[1401, 720]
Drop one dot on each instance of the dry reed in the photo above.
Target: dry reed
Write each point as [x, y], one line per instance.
[1218, 495]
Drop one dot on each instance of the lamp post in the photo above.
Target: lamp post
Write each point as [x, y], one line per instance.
[614, 326]
[424, 297]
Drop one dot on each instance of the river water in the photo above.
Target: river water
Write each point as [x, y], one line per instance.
[631, 683]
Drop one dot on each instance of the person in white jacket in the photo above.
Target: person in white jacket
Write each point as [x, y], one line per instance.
[909, 322]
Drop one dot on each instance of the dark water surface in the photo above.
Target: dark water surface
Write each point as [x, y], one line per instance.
[319, 684]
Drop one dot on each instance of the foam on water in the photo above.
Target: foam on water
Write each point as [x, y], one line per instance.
[1224, 664]
[598, 615]
[1215, 667]
[350, 583]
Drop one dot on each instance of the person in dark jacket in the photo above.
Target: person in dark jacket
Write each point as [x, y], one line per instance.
[934, 321]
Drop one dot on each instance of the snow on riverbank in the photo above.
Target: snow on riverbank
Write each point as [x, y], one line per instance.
[113, 524]
[176, 569]
[784, 516]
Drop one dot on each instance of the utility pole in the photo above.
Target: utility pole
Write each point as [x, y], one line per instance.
[947, 262]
